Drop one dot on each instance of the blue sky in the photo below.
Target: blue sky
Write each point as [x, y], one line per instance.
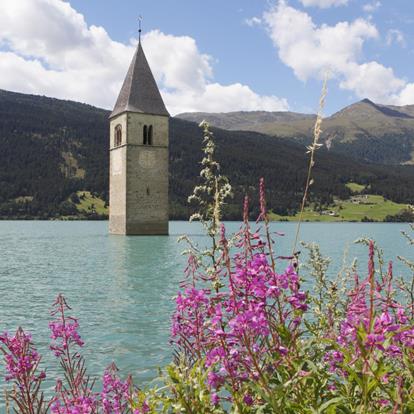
[215, 55]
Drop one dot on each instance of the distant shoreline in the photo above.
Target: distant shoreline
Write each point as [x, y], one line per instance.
[2, 218]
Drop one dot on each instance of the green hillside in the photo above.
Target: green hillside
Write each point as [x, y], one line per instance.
[358, 208]
[364, 130]
[54, 164]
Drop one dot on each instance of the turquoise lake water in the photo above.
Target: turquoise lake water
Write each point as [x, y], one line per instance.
[121, 288]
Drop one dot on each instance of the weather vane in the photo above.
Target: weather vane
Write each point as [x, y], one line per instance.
[140, 27]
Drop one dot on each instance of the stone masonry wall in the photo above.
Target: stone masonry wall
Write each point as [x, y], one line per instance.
[147, 176]
[139, 176]
[117, 181]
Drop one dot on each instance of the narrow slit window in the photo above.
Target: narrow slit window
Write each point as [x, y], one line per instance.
[118, 135]
[148, 191]
[145, 135]
[150, 135]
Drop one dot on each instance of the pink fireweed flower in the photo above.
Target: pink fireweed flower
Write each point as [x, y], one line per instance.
[76, 395]
[289, 279]
[357, 314]
[401, 317]
[21, 357]
[394, 351]
[248, 400]
[406, 337]
[334, 360]
[64, 333]
[215, 355]
[215, 399]
[375, 327]
[253, 321]
[298, 301]
[188, 322]
[75, 405]
[233, 330]
[115, 393]
[215, 380]
[64, 329]
[375, 340]
[22, 363]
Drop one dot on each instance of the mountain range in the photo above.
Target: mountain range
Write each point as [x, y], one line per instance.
[52, 151]
[365, 130]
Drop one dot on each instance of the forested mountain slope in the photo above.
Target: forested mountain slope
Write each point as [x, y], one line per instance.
[51, 149]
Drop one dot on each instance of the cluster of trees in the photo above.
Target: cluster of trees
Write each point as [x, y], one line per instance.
[36, 181]
[387, 149]
[405, 216]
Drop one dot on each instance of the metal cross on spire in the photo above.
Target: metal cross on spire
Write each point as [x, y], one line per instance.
[140, 27]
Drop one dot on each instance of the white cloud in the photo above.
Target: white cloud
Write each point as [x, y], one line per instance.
[372, 80]
[371, 7]
[186, 76]
[324, 4]
[176, 61]
[312, 50]
[51, 50]
[406, 96]
[219, 98]
[253, 21]
[395, 36]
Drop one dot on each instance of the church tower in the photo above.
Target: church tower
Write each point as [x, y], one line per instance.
[138, 189]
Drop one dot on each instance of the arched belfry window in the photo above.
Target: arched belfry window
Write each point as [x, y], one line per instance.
[147, 135]
[118, 135]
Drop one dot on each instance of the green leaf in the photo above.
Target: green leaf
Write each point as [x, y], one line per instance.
[330, 403]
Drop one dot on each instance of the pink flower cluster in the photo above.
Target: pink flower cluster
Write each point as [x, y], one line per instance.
[22, 363]
[375, 325]
[116, 393]
[75, 395]
[21, 357]
[64, 333]
[235, 329]
[64, 329]
[75, 405]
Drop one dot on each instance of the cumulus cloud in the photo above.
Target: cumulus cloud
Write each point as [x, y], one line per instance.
[312, 50]
[372, 80]
[52, 51]
[48, 48]
[324, 4]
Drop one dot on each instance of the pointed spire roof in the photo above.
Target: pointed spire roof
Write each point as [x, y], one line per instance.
[139, 93]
